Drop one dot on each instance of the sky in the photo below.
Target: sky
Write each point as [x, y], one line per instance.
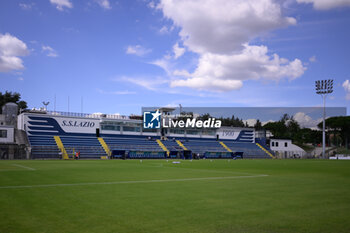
[116, 56]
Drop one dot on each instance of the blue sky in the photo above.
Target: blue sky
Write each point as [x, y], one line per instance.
[121, 55]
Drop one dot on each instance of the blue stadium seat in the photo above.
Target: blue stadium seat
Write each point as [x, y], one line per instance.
[132, 144]
[43, 147]
[89, 147]
[250, 150]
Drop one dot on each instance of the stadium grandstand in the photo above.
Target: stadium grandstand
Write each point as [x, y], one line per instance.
[56, 135]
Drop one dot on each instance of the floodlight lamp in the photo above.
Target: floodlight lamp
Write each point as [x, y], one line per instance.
[324, 86]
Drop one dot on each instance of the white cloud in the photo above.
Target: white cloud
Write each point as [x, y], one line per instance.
[126, 92]
[208, 84]
[166, 29]
[178, 51]
[50, 51]
[346, 86]
[163, 63]
[326, 4]
[183, 73]
[250, 122]
[11, 48]
[137, 50]
[140, 82]
[219, 31]
[152, 84]
[216, 72]
[152, 4]
[305, 121]
[104, 4]
[313, 59]
[221, 26]
[26, 6]
[60, 4]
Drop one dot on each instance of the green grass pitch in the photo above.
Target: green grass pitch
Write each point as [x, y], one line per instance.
[159, 196]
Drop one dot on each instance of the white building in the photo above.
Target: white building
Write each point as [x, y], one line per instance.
[6, 130]
[284, 148]
[7, 134]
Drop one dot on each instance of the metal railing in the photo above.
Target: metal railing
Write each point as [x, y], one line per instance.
[85, 115]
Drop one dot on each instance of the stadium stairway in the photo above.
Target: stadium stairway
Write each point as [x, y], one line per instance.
[92, 147]
[250, 150]
[105, 146]
[160, 143]
[265, 150]
[89, 147]
[223, 144]
[61, 147]
[181, 145]
[172, 145]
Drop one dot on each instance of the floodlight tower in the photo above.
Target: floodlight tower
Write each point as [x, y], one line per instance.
[45, 104]
[324, 87]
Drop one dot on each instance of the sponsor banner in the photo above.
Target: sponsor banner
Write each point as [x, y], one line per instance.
[59, 125]
[76, 125]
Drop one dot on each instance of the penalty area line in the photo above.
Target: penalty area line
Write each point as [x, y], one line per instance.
[25, 167]
[128, 182]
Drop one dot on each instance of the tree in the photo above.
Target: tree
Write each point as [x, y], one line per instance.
[232, 122]
[258, 125]
[14, 97]
[339, 124]
[285, 118]
[288, 128]
[293, 128]
[204, 117]
[307, 135]
[278, 129]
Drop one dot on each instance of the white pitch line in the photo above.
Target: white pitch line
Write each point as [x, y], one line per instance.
[25, 167]
[128, 182]
[204, 170]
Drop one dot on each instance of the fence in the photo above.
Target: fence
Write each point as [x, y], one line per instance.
[88, 115]
[12, 151]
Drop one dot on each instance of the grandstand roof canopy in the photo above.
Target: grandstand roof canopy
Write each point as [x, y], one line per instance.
[166, 109]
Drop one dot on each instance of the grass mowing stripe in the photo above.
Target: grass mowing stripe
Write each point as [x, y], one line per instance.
[160, 165]
[129, 182]
[9, 170]
[25, 167]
